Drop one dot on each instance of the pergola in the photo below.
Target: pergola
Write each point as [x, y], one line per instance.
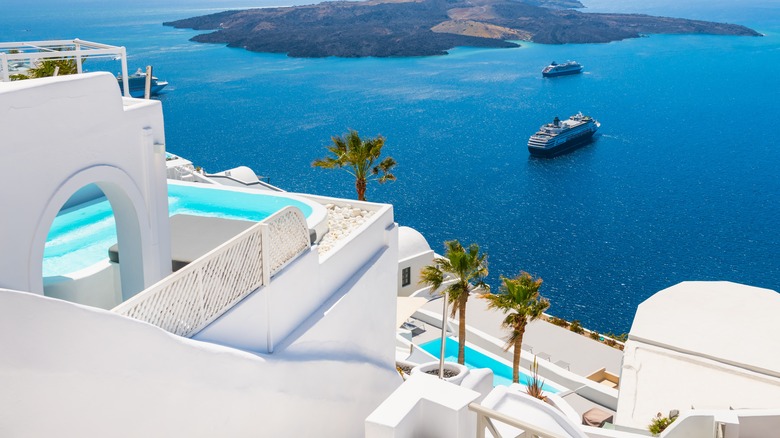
[28, 53]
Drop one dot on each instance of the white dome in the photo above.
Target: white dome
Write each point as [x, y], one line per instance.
[411, 243]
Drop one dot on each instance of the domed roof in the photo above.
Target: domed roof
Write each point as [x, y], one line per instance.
[411, 243]
[720, 319]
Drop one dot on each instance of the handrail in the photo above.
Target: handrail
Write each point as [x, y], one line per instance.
[485, 415]
[188, 300]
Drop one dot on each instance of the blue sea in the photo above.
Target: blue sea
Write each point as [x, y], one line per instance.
[682, 182]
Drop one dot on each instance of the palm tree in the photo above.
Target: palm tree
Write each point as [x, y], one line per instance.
[469, 268]
[358, 157]
[519, 296]
[46, 68]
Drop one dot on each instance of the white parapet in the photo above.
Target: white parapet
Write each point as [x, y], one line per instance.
[424, 406]
[65, 362]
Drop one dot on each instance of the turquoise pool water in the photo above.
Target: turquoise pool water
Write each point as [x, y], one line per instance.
[502, 373]
[80, 237]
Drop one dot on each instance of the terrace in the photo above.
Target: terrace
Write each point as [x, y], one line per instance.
[265, 303]
[16, 57]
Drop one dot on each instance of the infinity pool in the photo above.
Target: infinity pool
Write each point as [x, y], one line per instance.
[502, 373]
[80, 236]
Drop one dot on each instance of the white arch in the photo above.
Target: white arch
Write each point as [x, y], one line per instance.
[61, 134]
[131, 217]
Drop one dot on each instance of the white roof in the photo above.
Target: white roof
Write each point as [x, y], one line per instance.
[411, 243]
[701, 345]
[720, 320]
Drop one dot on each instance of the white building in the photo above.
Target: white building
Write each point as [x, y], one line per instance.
[265, 335]
[414, 254]
[701, 345]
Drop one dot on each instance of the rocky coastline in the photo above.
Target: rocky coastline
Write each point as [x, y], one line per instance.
[395, 28]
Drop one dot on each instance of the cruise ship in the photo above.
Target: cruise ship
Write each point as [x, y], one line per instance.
[567, 68]
[137, 83]
[561, 136]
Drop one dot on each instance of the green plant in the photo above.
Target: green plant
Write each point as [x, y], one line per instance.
[576, 327]
[535, 384]
[520, 301]
[659, 423]
[401, 372]
[560, 322]
[469, 269]
[623, 337]
[595, 336]
[48, 67]
[358, 157]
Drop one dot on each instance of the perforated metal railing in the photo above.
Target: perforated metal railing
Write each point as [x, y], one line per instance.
[188, 300]
[288, 236]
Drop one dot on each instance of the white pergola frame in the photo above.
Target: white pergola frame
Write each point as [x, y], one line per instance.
[32, 51]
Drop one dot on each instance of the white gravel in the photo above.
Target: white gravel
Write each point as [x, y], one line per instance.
[342, 220]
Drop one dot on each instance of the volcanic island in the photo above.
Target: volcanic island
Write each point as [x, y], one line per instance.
[397, 28]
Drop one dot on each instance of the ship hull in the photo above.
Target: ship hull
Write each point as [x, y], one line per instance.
[560, 149]
[553, 74]
[138, 86]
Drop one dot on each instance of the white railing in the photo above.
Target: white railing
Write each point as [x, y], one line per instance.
[31, 52]
[190, 299]
[485, 417]
[187, 173]
[288, 236]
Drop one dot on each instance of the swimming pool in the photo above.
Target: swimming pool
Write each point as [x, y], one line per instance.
[502, 373]
[80, 236]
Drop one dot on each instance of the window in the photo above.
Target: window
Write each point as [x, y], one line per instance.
[406, 277]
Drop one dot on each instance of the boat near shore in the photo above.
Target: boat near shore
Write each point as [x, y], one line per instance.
[560, 137]
[567, 68]
[137, 84]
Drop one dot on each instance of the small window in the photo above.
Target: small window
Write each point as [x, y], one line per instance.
[406, 277]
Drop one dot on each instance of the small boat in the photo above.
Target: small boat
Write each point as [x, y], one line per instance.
[559, 136]
[137, 82]
[567, 68]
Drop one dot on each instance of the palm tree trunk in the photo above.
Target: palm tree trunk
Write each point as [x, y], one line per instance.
[462, 328]
[360, 186]
[516, 360]
[520, 328]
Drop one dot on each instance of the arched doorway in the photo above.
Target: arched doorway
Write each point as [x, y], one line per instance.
[133, 232]
[75, 263]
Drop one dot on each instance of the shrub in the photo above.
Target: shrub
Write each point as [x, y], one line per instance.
[659, 423]
[560, 322]
[576, 327]
[623, 337]
[595, 336]
[534, 385]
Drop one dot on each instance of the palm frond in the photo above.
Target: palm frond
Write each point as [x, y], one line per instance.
[358, 157]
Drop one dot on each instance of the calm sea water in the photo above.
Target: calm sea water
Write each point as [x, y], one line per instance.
[681, 184]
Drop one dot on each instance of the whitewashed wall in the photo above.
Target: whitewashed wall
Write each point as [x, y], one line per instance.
[360, 273]
[416, 264]
[97, 286]
[67, 370]
[415, 254]
[62, 134]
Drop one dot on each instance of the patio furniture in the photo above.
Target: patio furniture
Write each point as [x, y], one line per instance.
[596, 417]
